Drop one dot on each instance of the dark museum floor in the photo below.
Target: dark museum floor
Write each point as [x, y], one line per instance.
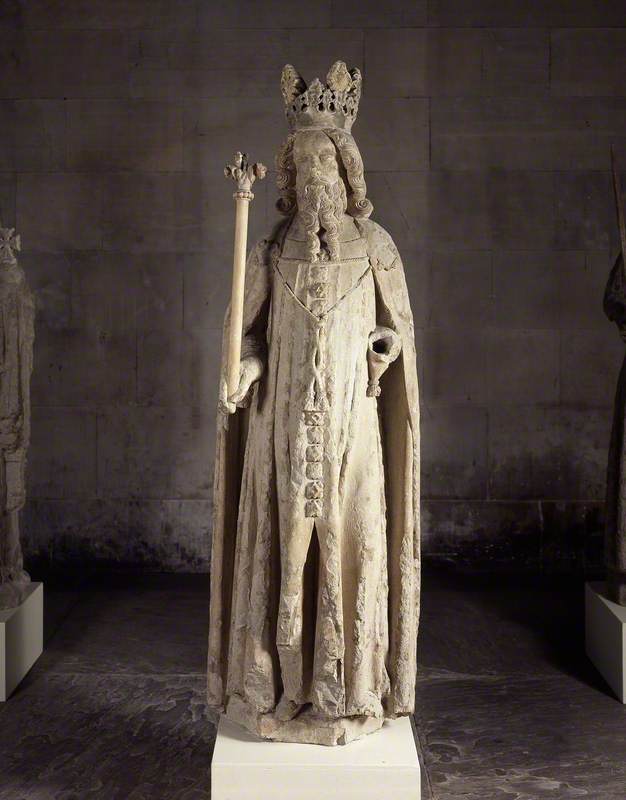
[508, 705]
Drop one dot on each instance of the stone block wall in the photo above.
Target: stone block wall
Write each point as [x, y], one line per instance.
[485, 128]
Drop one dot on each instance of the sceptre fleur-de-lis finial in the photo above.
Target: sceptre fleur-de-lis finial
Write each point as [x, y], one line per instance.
[244, 174]
[9, 244]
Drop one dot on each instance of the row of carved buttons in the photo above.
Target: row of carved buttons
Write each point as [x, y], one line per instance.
[317, 288]
[313, 508]
[317, 274]
[314, 489]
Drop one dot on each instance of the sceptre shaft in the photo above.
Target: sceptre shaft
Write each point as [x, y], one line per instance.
[621, 224]
[244, 176]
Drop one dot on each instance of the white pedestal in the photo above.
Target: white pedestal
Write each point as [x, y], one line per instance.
[605, 637]
[379, 766]
[21, 639]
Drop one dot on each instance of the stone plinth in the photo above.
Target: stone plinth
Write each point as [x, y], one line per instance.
[21, 639]
[383, 764]
[605, 637]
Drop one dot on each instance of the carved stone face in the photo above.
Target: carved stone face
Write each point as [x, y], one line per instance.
[320, 191]
[315, 157]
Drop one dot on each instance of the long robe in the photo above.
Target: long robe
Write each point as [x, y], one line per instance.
[17, 312]
[315, 552]
[615, 515]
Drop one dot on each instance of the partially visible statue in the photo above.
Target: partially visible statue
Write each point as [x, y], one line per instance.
[615, 526]
[315, 553]
[17, 315]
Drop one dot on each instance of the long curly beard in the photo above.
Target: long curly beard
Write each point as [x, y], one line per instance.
[321, 205]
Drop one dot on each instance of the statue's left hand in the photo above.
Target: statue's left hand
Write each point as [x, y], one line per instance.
[383, 347]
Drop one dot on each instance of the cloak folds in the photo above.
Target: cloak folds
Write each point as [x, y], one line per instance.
[615, 521]
[398, 412]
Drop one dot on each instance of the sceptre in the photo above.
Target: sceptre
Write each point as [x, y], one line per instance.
[244, 176]
[619, 207]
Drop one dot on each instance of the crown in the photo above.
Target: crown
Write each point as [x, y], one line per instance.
[333, 105]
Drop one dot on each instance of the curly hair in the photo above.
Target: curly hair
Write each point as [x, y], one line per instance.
[358, 204]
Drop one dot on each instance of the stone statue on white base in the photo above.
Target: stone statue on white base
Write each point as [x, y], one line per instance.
[17, 314]
[315, 554]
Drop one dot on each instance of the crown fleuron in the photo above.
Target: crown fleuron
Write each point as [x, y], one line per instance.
[331, 105]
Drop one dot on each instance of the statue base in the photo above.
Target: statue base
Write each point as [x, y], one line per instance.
[21, 639]
[605, 637]
[384, 764]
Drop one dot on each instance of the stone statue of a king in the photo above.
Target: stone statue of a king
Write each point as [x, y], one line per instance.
[315, 552]
[17, 313]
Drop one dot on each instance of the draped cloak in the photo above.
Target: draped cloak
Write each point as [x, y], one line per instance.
[339, 629]
[615, 522]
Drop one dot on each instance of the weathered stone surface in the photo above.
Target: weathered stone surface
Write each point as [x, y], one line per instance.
[32, 135]
[83, 367]
[173, 85]
[454, 452]
[567, 536]
[370, 14]
[460, 289]
[488, 13]
[60, 211]
[178, 367]
[588, 62]
[526, 289]
[62, 464]
[521, 206]
[119, 292]
[581, 287]
[590, 365]
[156, 212]
[489, 532]
[113, 14]
[451, 61]
[252, 14]
[60, 64]
[108, 135]
[515, 62]
[7, 197]
[170, 66]
[393, 140]
[155, 452]
[401, 202]
[170, 535]
[584, 211]
[206, 289]
[549, 453]
[455, 367]
[525, 133]
[70, 531]
[208, 121]
[523, 366]
[50, 277]
[175, 534]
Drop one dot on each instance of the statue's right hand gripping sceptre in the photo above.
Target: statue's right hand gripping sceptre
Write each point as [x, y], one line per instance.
[244, 175]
